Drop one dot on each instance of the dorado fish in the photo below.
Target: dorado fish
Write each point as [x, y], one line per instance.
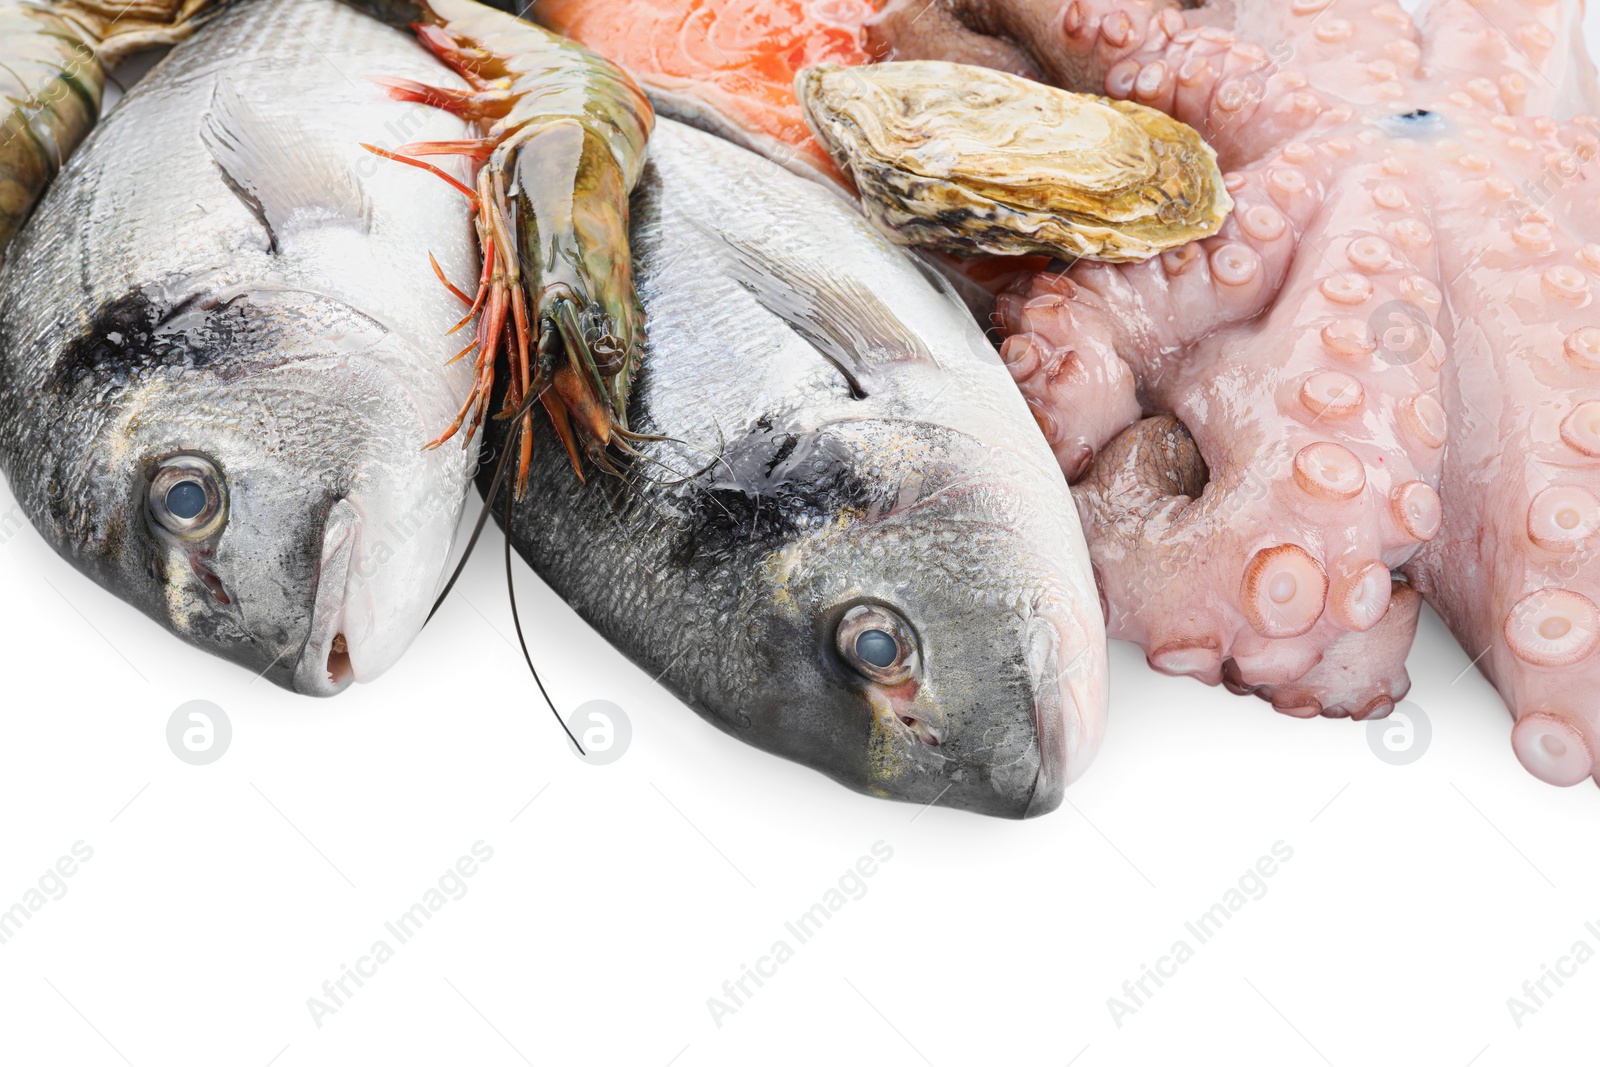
[844, 540]
[222, 346]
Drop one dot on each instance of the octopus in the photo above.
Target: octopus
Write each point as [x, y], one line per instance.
[1377, 385]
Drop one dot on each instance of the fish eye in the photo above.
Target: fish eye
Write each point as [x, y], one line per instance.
[877, 644]
[187, 497]
[877, 648]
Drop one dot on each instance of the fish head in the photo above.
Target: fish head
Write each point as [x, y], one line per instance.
[914, 618]
[250, 472]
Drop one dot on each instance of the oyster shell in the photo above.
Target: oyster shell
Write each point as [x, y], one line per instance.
[970, 160]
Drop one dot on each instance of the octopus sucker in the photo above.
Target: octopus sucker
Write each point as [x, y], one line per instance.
[1563, 517]
[1197, 656]
[1425, 420]
[1418, 510]
[1360, 597]
[1554, 746]
[1392, 396]
[1581, 429]
[1327, 471]
[1283, 591]
[1331, 394]
[1553, 628]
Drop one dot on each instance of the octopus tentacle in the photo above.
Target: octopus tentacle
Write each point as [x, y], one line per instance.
[1515, 571]
[1362, 675]
[1322, 472]
[1515, 56]
[1062, 352]
[1076, 340]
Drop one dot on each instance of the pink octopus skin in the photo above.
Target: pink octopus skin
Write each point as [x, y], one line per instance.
[1389, 357]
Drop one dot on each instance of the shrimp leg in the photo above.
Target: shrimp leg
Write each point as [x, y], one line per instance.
[562, 138]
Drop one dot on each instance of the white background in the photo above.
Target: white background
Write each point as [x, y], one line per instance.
[620, 898]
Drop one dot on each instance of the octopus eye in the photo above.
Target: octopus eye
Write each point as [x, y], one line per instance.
[877, 644]
[1419, 122]
[187, 498]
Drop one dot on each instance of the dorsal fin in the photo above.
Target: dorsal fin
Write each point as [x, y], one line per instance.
[289, 181]
[846, 322]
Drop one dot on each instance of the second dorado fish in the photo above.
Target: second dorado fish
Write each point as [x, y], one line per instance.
[854, 548]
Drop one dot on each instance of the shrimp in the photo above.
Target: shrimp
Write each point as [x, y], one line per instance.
[53, 62]
[51, 83]
[561, 145]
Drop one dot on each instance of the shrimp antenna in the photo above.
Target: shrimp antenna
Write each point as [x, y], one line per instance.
[511, 589]
[488, 502]
[511, 593]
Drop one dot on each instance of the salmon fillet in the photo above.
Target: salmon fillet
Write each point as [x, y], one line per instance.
[727, 66]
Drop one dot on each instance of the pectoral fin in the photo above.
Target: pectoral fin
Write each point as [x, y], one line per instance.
[291, 181]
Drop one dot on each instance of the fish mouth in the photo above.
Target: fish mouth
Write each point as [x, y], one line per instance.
[1052, 699]
[384, 545]
[1039, 717]
[325, 667]
[382, 557]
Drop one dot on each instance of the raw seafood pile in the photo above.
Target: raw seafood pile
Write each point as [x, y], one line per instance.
[225, 423]
[1372, 384]
[827, 517]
